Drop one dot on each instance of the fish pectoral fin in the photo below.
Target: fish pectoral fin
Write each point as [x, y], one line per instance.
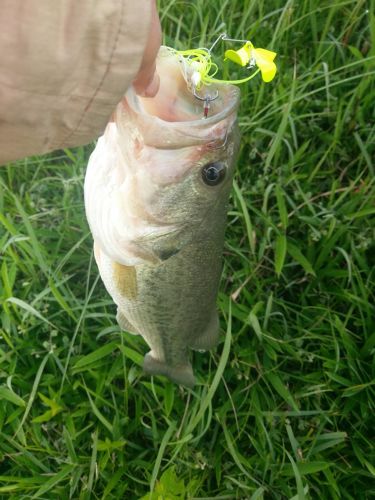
[164, 244]
[166, 253]
[153, 254]
[209, 338]
[180, 374]
[125, 324]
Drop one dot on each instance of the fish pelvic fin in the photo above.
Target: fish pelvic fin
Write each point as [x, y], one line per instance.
[209, 338]
[180, 374]
[125, 280]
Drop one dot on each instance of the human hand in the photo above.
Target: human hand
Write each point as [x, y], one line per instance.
[146, 83]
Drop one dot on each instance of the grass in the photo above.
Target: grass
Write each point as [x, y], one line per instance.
[285, 406]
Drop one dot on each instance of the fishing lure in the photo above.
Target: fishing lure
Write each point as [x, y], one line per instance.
[200, 71]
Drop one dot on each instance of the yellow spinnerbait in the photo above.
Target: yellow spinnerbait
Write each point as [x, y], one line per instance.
[199, 68]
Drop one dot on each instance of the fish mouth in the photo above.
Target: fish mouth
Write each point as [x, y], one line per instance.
[176, 111]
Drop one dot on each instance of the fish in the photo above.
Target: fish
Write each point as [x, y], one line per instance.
[156, 192]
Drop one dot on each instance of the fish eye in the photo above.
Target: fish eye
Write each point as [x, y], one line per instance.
[213, 173]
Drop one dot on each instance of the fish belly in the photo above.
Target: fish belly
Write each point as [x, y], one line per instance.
[171, 304]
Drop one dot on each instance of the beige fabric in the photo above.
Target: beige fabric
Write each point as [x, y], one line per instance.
[64, 65]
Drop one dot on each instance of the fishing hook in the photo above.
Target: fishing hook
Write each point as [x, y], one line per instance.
[207, 99]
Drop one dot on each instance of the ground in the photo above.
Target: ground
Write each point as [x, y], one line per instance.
[284, 407]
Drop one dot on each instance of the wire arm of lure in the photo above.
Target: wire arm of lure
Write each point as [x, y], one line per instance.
[218, 39]
[224, 37]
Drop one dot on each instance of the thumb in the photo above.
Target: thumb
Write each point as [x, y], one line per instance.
[146, 83]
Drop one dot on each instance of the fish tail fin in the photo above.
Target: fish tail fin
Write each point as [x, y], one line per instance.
[209, 337]
[181, 374]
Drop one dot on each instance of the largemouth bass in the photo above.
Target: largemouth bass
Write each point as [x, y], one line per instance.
[156, 194]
